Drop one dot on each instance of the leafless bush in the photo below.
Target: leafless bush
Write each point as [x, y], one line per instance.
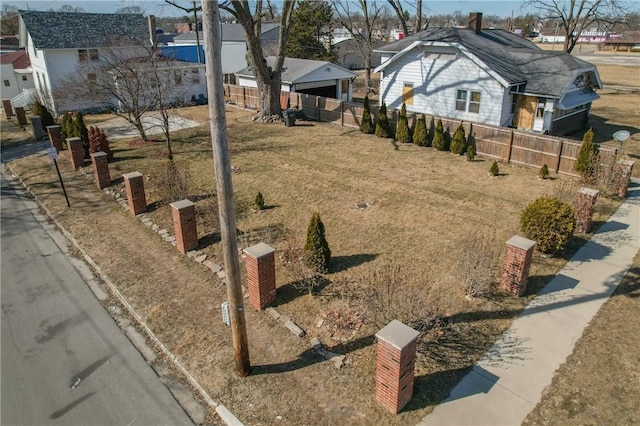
[292, 256]
[172, 182]
[386, 293]
[606, 173]
[565, 191]
[477, 264]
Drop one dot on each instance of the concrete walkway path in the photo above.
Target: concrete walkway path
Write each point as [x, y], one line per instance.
[118, 127]
[507, 383]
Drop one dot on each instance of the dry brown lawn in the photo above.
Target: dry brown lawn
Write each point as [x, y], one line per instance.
[409, 206]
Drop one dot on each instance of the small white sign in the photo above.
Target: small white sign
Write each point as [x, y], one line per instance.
[225, 313]
[53, 153]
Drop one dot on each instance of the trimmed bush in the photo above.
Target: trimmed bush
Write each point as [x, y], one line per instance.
[259, 201]
[431, 132]
[41, 110]
[471, 155]
[544, 172]
[586, 156]
[366, 125]
[549, 222]
[66, 127]
[402, 129]
[104, 145]
[95, 142]
[494, 170]
[317, 254]
[383, 129]
[420, 132]
[80, 131]
[459, 141]
[438, 138]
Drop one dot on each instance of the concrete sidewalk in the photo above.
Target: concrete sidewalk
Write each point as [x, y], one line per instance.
[118, 127]
[507, 383]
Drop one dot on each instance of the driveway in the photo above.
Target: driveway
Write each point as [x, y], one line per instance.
[118, 127]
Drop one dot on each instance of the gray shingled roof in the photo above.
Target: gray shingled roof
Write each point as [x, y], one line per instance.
[514, 58]
[295, 69]
[56, 30]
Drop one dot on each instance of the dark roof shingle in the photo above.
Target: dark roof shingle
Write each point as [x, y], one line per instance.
[57, 30]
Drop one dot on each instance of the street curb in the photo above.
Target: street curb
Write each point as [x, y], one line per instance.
[220, 409]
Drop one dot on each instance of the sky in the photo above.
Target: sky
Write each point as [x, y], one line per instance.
[160, 8]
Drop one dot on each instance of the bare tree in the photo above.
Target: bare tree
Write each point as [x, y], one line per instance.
[9, 19]
[67, 8]
[269, 79]
[130, 80]
[131, 9]
[402, 14]
[575, 16]
[368, 15]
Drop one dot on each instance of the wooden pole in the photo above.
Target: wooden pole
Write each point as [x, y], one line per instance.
[222, 165]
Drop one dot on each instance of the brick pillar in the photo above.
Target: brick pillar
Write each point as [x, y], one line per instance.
[134, 186]
[22, 117]
[55, 137]
[624, 172]
[101, 169]
[184, 225]
[515, 272]
[261, 275]
[76, 155]
[584, 206]
[36, 125]
[8, 108]
[395, 360]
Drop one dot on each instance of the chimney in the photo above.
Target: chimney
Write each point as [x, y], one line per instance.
[475, 22]
[152, 30]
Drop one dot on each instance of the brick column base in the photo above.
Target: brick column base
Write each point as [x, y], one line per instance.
[395, 361]
[21, 116]
[583, 209]
[184, 225]
[261, 275]
[101, 169]
[515, 272]
[55, 137]
[134, 186]
[624, 171]
[76, 154]
[8, 108]
[36, 125]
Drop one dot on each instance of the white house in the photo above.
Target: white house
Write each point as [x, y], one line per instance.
[318, 78]
[15, 70]
[488, 76]
[60, 44]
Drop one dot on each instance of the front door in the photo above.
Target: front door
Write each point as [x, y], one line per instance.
[525, 112]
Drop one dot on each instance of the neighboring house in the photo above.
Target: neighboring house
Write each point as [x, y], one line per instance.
[57, 43]
[318, 78]
[349, 56]
[488, 76]
[15, 70]
[234, 44]
[550, 35]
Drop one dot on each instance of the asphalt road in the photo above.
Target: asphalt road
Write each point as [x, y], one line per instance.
[64, 361]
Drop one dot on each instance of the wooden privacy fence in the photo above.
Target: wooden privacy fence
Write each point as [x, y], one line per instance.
[500, 143]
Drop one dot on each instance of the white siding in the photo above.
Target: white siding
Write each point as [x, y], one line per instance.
[233, 55]
[251, 82]
[436, 77]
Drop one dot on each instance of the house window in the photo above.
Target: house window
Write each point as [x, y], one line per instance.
[540, 108]
[7, 83]
[407, 93]
[195, 75]
[468, 101]
[177, 76]
[85, 55]
[24, 78]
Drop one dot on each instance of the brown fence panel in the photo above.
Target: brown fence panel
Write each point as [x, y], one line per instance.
[330, 110]
[534, 150]
[352, 114]
[492, 142]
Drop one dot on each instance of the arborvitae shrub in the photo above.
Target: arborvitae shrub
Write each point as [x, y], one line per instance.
[366, 126]
[471, 155]
[544, 172]
[402, 129]
[259, 201]
[438, 137]
[494, 170]
[104, 145]
[586, 156]
[66, 127]
[382, 123]
[95, 142]
[447, 140]
[549, 222]
[41, 110]
[317, 254]
[81, 131]
[431, 132]
[420, 132]
[459, 141]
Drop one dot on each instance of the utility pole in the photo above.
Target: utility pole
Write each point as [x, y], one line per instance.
[222, 165]
[195, 10]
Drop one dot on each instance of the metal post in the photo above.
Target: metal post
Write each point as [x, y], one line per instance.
[64, 191]
[222, 165]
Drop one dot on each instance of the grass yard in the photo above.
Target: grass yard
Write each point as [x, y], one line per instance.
[412, 207]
